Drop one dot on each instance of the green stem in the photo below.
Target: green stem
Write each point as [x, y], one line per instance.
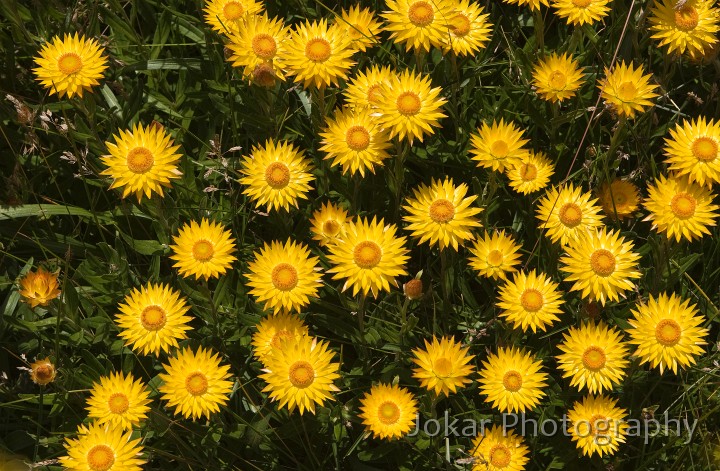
[361, 314]
[39, 424]
[539, 24]
[445, 289]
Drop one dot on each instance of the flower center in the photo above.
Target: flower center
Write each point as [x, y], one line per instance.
[264, 75]
[408, 103]
[442, 367]
[683, 205]
[599, 425]
[705, 149]
[499, 456]
[367, 254]
[460, 25]
[441, 211]
[627, 91]
[582, 3]
[301, 374]
[528, 172]
[594, 358]
[495, 258]
[69, 63]
[570, 215]
[512, 381]
[233, 10]
[317, 50]
[203, 250]
[196, 384]
[277, 175]
[284, 277]
[499, 148]
[152, 318]
[118, 403]
[532, 300]
[264, 46]
[357, 138]
[602, 262]
[140, 160]
[373, 93]
[668, 332]
[686, 18]
[44, 373]
[558, 80]
[388, 413]
[100, 458]
[279, 337]
[421, 13]
[331, 228]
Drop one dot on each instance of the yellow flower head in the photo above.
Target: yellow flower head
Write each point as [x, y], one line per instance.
[557, 78]
[203, 250]
[512, 380]
[441, 214]
[42, 372]
[118, 400]
[103, 447]
[38, 288]
[363, 91]
[227, 16]
[498, 146]
[619, 199]
[419, 24]
[443, 366]
[626, 90]
[70, 66]
[693, 149]
[388, 411]
[530, 300]
[597, 425]
[531, 174]
[667, 332]
[469, 29]
[685, 26]
[273, 330]
[259, 41]
[328, 224]
[579, 12]
[360, 26]
[567, 214]
[496, 255]
[497, 449]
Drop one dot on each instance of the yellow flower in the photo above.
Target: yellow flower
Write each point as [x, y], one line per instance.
[408, 107]
[277, 175]
[363, 91]
[273, 330]
[369, 257]
[118, 400]
[102, 447]
[680, 209]
[597, 425]
[355, 140]
[153, 319]
[619, 199]
[626, 90]
[142, 160]
[317, 55]
[42, 372]
[300, 374]
[388, 411]
[530, 300]
[443, 366]
[226, 16]
[558, 77]
[601, 264]
[469, 29]
[441, 214]
[690, 25]
[498, 146]
[693, 149]
[496, 255]
[70, 66]
[328, 224]
[419, 24]
[667, 332]
[594, 356]
[579, 12]
[40, 287]
[360, 26]
[195, 384]
[512, 380]
[533, 4]
[568, 214]
[203, 250]
[259, 41]
[531, 174]
[497, 449]
[284, 276]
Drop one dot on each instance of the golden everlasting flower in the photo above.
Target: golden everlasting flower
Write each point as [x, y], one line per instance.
[118, 400]
[531, 174]
[469, 29]
[693, 149]
[361, 26]
[626, 90]
[388, 411]
[567, 214]
[443, 366]
[203, 250]
[38, 288]
[273, 330]
[259, 41]
[226, 16]
[102, 447]
[496, 255]
[42, 372]
[498, 146]
[557, 78]
[597, 425]
[363, 91]
[690, 25]
[619, 199]
[530, 300]
[497, 449]
[328, 224]
[579, 12]
[512, 380]
[419, 24]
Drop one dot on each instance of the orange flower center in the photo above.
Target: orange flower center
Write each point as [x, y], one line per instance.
[668, 332]
[301, 374]
[499, 148]
[318, 50]
[683, 205]
[557, 80]
[203, 250]
[442, 367]
[602, 262]
[233, 10]
[598, 425]
[196, 384]
[528, 172]
[153, 318]
[284, 277]
[531, 300]
[373, 93]
[279, 337]
[367, 254]
[627, 91]
[460, 25]
[277, 175]
[69, 63]
[140, 160]
[495, 258]
[388, 413]
[408, 103]
[582, 3]
[357, 138]
[100, 458]
[264, 75]
[413, 289]
[570, 215]
[44, 373]
[331, 228]
[421, 13]
[705, 149]
[594, 358]
[118, 403]
[512, 381]
[500, 456]
[686, 18]
[264, 46]
[441, 211]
